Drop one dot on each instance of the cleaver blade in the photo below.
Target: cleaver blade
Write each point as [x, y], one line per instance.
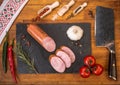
[104, 35]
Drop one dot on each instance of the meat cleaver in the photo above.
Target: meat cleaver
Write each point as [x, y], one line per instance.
[104, 34]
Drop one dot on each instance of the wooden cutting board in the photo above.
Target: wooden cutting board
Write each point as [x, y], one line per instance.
[58, 32]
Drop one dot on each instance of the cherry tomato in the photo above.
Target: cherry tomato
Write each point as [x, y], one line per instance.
[84, 72]
[97, 69]
[89, 61]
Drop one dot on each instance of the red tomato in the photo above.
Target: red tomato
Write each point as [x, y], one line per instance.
[97, 69]
[89, 61]
[84, 72]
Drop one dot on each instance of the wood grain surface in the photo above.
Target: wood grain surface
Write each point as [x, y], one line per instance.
[101, 54]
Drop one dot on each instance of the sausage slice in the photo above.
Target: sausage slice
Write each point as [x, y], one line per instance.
[69, 52]
[57, 63]
[65, 57]
[41, 37]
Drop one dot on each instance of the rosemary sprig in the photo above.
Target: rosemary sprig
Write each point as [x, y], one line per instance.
[22, 55]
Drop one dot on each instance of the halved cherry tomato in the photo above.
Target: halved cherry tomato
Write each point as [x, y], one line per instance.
[89, 61]
[97, 69]
[84, 72]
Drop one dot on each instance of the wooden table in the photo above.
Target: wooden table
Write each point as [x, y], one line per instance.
[101, 54]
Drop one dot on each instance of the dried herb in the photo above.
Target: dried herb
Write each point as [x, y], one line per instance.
[77, 43]
[22, 55]
[26, 41]
[90, 13]
[23, 37]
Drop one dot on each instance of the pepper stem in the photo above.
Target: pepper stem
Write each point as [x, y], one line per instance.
[13, 42]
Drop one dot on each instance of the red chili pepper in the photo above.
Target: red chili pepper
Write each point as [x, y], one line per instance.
[11, 62]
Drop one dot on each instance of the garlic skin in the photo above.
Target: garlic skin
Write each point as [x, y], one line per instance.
[74, 33]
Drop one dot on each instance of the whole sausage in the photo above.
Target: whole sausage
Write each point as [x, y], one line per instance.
[57, 63]
[64, 56]
[41, 37]
[69, 52]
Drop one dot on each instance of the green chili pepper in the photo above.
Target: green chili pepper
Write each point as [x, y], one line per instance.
[4, 54]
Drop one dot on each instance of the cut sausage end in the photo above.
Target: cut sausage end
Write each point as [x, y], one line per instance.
[57, 63]
[49, 44]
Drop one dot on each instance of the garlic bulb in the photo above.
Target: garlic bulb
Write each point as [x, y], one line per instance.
[74, 33]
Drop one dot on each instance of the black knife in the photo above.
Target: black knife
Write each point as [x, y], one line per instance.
[104, 33]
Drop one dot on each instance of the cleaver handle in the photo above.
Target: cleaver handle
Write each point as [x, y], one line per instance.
[112, 70]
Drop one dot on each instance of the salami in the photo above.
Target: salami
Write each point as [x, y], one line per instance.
[41, 37]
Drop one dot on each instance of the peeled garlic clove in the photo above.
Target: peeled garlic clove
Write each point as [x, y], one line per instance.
[74, 33]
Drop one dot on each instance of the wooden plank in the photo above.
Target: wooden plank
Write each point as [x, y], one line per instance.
[101, 54]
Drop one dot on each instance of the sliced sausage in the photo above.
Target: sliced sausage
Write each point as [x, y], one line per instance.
[41, 37]
[65, 57]
[69, 52]
[57, 63]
